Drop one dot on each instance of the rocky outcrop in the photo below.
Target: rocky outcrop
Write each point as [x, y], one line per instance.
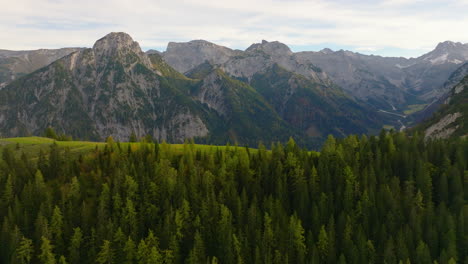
[442, 129]
[186, 56]
[213, 94]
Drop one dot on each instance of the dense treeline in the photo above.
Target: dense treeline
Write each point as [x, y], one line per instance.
[383, 199]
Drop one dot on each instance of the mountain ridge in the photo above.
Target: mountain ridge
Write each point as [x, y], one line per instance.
[115, 89]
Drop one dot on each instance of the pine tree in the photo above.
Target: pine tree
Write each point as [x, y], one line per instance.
[75, 246]
[106, 255]
[56, 227]
[46, 256]
[25, 251]
[197, 254]
[322, 244]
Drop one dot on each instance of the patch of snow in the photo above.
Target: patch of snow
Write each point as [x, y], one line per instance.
[441, 59]
[402, 67]
[456, 61]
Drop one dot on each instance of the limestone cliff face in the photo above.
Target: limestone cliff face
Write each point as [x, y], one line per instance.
[444, 128]
[213, 94]
[186, 56]
[109, 90]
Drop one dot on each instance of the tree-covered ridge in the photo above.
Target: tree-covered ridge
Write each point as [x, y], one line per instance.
[384, 199]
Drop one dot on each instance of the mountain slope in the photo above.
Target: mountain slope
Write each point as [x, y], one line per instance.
[446, 90]
[314, 108]
[301, 93]
[451, 120]
[110, 89]
[245, 115]
[14, 64]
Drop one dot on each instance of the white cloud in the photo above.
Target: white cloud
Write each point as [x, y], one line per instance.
[402, 24]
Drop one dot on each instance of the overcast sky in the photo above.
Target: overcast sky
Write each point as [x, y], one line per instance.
[406, 28]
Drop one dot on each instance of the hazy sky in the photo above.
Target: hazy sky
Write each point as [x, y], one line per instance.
[387, 27]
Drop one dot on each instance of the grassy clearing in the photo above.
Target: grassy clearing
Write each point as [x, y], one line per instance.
[414, 108]
[33, 145]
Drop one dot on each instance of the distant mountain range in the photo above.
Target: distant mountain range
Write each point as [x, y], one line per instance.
[215, 94]
[14, 64]
[384, 82]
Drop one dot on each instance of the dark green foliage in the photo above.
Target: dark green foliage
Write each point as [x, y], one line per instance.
[384, 199]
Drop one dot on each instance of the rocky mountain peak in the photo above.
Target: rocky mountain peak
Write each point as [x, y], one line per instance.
[119, 44]
[271, 48]
[184, 56]
[448, 45]
[115, 40]
[447, 52]
[326, 51]
[194, 44]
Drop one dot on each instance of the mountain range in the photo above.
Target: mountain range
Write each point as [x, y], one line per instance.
[215, 94]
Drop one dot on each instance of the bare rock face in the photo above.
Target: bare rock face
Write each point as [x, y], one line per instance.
[186, 56]
[262, 56]
[212, 94]
[119, 46]
[259, 57]
[442, 129]
[273, 48]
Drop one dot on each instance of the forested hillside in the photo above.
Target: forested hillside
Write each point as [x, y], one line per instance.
[379, 199]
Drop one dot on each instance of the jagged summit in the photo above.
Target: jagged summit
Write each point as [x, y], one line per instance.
[447, 45]
[197, 43]
[119, 44]
[326, 51]
[272, 48]
[114, 40]
[447, 52]
[184, 56]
